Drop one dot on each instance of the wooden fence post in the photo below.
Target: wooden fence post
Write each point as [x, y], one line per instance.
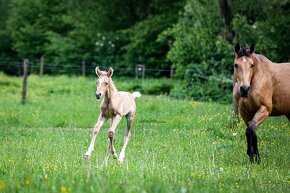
[83, 68]
[41, 65]
[25, 72]
[138, 68]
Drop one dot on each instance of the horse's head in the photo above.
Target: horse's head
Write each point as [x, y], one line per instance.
[103, 81]
[244, 65]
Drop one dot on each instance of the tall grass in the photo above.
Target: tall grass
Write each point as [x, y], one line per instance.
[176, 146]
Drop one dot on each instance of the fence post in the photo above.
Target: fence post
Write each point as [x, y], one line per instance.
[41, 65]
[83, 68]
[138, 68]
[25, 72]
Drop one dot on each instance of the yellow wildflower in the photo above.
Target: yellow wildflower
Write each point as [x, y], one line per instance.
[2, 185]
[27, 182]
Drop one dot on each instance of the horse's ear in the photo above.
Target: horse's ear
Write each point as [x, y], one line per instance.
[252, 48]
[110, 72]
[98, 72]
[237, 48]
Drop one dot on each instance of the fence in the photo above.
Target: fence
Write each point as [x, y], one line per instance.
[26, 68]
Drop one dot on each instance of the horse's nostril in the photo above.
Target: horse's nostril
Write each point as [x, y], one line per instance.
[244, 91]
[98, 96]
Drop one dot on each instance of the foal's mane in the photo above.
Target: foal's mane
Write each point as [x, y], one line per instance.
[112, 87]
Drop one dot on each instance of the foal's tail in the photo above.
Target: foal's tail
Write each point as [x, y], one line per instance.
[136, 94]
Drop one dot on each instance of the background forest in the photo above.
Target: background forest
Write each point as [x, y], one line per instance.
[194, 37]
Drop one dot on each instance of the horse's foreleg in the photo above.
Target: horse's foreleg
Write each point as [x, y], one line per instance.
[97, 127]
[130, 119]
[252, 140]
[111, 133]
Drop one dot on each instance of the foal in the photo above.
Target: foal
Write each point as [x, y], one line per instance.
[262, 89]
[115, 105]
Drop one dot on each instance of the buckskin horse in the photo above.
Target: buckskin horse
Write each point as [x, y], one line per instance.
[115, 105]
[262, 89]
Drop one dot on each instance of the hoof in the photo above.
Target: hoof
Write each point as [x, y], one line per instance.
[115, 156]
[120, 161]
[87, 156]
[257, 159]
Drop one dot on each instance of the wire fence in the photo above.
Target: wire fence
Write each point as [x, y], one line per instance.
[89, 69]
[204, 97]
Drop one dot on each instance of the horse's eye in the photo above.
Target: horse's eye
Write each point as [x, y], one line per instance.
[252, 65]
[236, 66]
[106, 83]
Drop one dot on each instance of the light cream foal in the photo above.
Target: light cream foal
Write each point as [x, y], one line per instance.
[115, 105]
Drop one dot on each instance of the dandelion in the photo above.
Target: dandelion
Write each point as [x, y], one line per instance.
[64, 189]
[2, 185]
[27, 182]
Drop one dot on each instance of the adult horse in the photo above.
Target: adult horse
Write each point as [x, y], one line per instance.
[262, 89]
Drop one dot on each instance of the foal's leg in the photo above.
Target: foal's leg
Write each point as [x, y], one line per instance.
[130, 119]
[105, 163]
[101, 121]
[252, 140]
[115, 121]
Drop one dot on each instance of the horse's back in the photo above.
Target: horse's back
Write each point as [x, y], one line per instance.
[127, 102]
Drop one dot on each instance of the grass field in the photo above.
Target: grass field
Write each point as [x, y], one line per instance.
[176, 145]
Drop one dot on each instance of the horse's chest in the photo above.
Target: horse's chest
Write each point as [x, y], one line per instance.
[247, 106]
[108, 111]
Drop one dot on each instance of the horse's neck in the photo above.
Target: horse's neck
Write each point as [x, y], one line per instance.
[265, 68]
[264, 64]
[111, 91]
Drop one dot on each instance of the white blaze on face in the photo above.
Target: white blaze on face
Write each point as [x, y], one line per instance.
[244, 72]
[101, 80]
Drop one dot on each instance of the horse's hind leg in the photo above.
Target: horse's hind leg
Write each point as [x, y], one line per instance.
[130, 120]
[115, 121]
[105, 163]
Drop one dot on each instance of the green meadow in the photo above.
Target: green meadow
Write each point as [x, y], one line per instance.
[176, 145]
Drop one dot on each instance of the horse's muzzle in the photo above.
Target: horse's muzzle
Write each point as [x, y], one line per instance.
[244, 91]
[98, 96]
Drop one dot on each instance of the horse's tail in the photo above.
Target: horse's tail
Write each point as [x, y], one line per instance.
[136, 94]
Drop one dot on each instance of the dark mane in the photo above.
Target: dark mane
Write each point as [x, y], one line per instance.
[245, 51]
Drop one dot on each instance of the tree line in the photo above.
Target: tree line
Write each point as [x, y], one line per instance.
[161, 34]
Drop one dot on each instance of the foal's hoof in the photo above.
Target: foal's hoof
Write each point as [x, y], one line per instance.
[87, 157]
[115, 156]
[120, 161]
